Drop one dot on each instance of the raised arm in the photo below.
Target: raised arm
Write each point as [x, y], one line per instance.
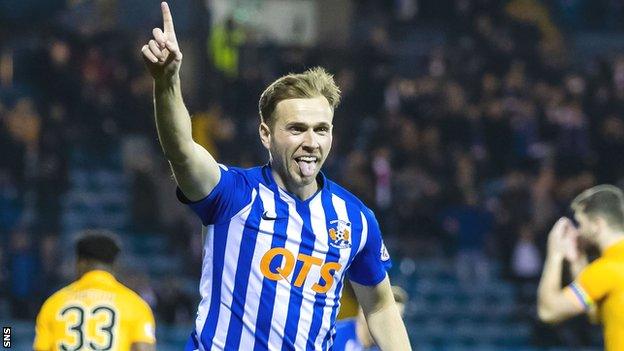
[195, 170]
[382, 316]
[554, 303]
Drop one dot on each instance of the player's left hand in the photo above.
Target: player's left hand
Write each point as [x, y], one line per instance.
[562, 239]
[572, 250]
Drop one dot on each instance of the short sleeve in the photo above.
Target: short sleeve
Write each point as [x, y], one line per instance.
[144, 330]
[229, 196]
[43, 333]
[370, 264]
[593, 284]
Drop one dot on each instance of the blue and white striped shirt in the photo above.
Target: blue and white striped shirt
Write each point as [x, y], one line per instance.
[273, 265]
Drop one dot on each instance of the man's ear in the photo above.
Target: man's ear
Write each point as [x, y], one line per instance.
[265, 135]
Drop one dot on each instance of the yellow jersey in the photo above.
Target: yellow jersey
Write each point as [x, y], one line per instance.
[95, 312]
[602, 283]
[349, 307]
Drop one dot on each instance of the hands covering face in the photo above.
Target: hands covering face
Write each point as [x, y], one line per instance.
[563, 240]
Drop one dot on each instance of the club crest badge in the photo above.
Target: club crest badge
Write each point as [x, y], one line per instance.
[340, 234]
[383, 254]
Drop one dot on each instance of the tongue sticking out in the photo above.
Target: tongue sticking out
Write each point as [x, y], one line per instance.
[307, 168]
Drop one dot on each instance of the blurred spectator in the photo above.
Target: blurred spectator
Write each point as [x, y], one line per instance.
[526, 265]
[357, 176]
[469, 226]
[139, 162]
[51, 179]
[49, 252]
[23, 124]
[224, 45]
[24, 275]
[610, 144]
[175, 306]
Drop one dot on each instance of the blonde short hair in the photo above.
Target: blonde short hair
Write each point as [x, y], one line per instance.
[312, 83]
[606, 201]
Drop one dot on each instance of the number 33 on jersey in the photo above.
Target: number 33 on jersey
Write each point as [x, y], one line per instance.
[94, 313]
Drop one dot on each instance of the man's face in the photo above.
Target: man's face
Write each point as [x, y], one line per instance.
[300, 138]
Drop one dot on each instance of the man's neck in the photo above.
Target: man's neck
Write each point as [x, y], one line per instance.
[609, 239]
[301, 192]
[94, 267]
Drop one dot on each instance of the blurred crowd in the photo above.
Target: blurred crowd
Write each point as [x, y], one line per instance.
[471, 149]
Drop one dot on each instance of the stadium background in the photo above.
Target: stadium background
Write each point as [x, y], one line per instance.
[468, 125]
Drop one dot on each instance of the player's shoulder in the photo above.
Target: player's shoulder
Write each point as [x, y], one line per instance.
[58, 298]
[129, 300]
[129, 296]
[601, 265]
[252, 175]
[603, 261]
[608, 263]
[349, 198]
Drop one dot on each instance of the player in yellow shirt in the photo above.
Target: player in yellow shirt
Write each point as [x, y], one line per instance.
[96, 312]
[598, 288]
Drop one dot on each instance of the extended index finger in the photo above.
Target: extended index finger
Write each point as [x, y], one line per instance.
[167, 18]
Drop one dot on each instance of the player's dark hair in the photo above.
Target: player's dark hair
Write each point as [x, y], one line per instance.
[98, 245]
[312, 83]
[605, 201]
